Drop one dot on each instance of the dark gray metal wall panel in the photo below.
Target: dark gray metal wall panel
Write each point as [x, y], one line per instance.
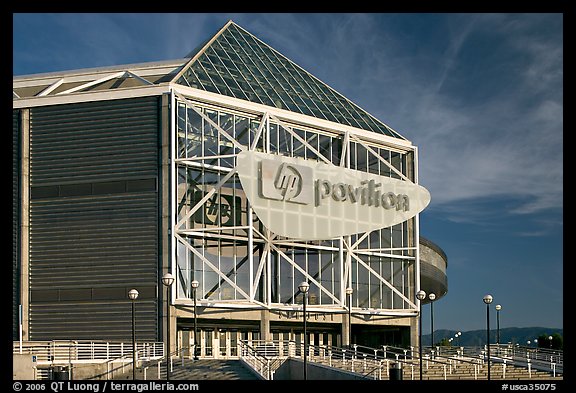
[87, 141]
[93, 224]
[15, 221]
[99, 240]
[57, 321]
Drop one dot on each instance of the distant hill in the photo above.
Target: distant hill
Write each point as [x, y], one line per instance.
[478, 337]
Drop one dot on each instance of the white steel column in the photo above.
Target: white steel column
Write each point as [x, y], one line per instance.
[342, 283]
[173, 191]
[268, 280]
[416, 239]
[24, 221]
[250, 252]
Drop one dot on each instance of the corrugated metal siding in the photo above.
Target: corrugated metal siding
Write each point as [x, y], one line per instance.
[85, 243]
[15, 221]
[94, 141]
[85, 316]
[87, 240]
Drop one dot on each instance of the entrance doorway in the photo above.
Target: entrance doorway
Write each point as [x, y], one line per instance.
[214, 342]
[221, 341]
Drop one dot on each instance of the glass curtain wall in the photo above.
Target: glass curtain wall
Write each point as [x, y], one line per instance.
[223, 245]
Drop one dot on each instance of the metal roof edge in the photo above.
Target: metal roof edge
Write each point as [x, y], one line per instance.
[94, 70]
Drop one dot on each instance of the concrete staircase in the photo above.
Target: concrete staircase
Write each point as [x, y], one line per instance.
[464, 371]
[210, 369]
[459, 371]
[216, 369]
[195, 370]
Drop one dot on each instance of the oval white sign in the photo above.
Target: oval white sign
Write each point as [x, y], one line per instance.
[311, 200]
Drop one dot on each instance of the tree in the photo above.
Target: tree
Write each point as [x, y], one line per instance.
[445, 343]
[557, 341]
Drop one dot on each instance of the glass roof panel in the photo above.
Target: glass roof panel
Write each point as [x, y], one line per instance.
[239, 65]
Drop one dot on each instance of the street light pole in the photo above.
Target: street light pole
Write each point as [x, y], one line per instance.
[194, 286]
[133, 295]
[349, 292]
[168, 280]
[304, 286]
[498, 308]
[420, 295]
[432, 297]
[488, 299]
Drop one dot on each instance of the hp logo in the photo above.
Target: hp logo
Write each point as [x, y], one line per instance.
[286, 182]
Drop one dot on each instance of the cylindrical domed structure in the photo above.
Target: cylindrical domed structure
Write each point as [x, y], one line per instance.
[433, 265]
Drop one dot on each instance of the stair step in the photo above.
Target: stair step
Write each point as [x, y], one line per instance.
[459, 371]
[201, 369]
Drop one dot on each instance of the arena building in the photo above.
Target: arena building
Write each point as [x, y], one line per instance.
[233, 168]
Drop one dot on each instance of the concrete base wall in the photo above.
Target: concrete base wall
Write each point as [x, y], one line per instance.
[293, 369]
[89, 371]
[22, 367]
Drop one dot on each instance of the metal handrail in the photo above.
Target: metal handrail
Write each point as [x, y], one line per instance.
[523, 352]
[541, 359]
[266, 356]
[538, 354]
[361, 360]
[146, 363]
[406, 357]
[78, 351]
[508, 356]
[258, 362]
[453, 361]
[73, 352]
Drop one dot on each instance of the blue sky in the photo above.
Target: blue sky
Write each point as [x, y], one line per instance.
[481, 95]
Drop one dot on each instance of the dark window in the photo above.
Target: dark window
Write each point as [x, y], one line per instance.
[75, 294]
[97, 188]
[44, 295]
[146, 293]
[111, 187]
[141, 185]
[43, 192]
[76, 189]
[109, 293]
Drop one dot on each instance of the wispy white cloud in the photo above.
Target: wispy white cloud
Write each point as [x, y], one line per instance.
[509, 144]
[486, 127]
[456, 40]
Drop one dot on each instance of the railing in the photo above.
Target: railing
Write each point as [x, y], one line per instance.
[455, 359]
[265, 357]
[67, 353]
[369, 362]
[117, 366]
[542, 355]
[156, 363]
[528, 358]
[538, 358]
[59, 352]
[375, 362]
[409, 358]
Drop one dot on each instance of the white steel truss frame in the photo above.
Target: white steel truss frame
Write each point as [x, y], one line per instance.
[347, 250]
[95, 80]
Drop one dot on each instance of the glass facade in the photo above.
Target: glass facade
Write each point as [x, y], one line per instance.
[222, 244]
[237, 64]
